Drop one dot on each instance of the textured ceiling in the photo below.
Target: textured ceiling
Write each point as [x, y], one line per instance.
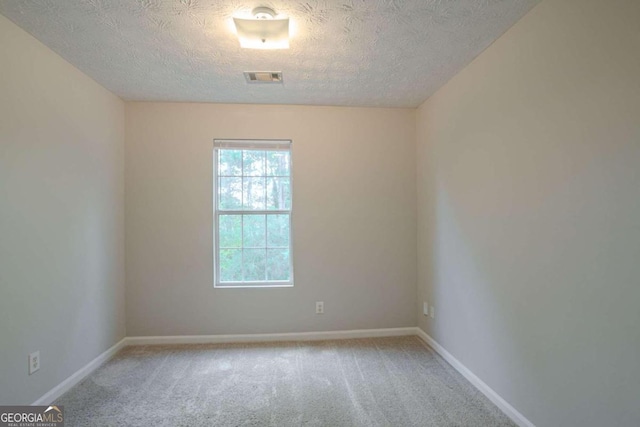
[392, 53]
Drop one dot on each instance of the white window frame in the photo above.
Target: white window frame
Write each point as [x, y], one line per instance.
[259, 145]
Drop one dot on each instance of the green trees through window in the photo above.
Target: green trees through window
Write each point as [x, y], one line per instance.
[253, 215]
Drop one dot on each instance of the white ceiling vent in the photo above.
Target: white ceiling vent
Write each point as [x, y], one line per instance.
[263, 76]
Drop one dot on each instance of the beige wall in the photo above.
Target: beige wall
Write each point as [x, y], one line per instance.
[529, 213]
[61, 217]
[353, 221]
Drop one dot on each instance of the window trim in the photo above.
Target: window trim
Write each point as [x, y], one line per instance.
[258, 145]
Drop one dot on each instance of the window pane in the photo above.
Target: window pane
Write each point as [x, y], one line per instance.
[253, 163]
[277, 231]
[231, 265]
[254, 232]
[230, 193]
[230, 231]
[254, 264]
[277, 264]
[277, 163]
[230, 163]
[278, 193]
[253, 193]
[252, 247]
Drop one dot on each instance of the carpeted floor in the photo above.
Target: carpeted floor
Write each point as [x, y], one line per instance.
[365, 382]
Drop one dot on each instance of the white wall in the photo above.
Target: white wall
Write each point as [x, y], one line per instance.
[61, 217]
[353, 223]
[529, 214]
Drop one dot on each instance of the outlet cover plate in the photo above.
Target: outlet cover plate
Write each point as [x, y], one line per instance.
[34, 362]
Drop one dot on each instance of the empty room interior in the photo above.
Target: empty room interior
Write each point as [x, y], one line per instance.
[320, 212]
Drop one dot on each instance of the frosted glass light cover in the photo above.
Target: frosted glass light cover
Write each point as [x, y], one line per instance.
[263, 33]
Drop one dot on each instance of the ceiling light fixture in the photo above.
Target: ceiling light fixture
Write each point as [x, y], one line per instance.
[264, 31]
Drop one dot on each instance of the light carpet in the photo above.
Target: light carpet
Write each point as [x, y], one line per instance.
[395, 381]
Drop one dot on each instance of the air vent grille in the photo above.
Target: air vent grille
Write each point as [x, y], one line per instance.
[263, 76]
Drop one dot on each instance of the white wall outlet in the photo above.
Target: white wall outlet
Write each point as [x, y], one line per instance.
[319, 307]
[425, 308]
[34, 362]
[432, 312]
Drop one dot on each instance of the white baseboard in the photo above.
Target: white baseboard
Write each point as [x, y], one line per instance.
[504, 406]
[292, 336]
[79, 375]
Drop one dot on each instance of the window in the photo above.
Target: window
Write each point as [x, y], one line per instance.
[252, 213]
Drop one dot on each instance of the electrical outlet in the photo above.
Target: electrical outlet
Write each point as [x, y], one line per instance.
[34, 362]
[432, 312]
[319, 307]
[425, 308]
